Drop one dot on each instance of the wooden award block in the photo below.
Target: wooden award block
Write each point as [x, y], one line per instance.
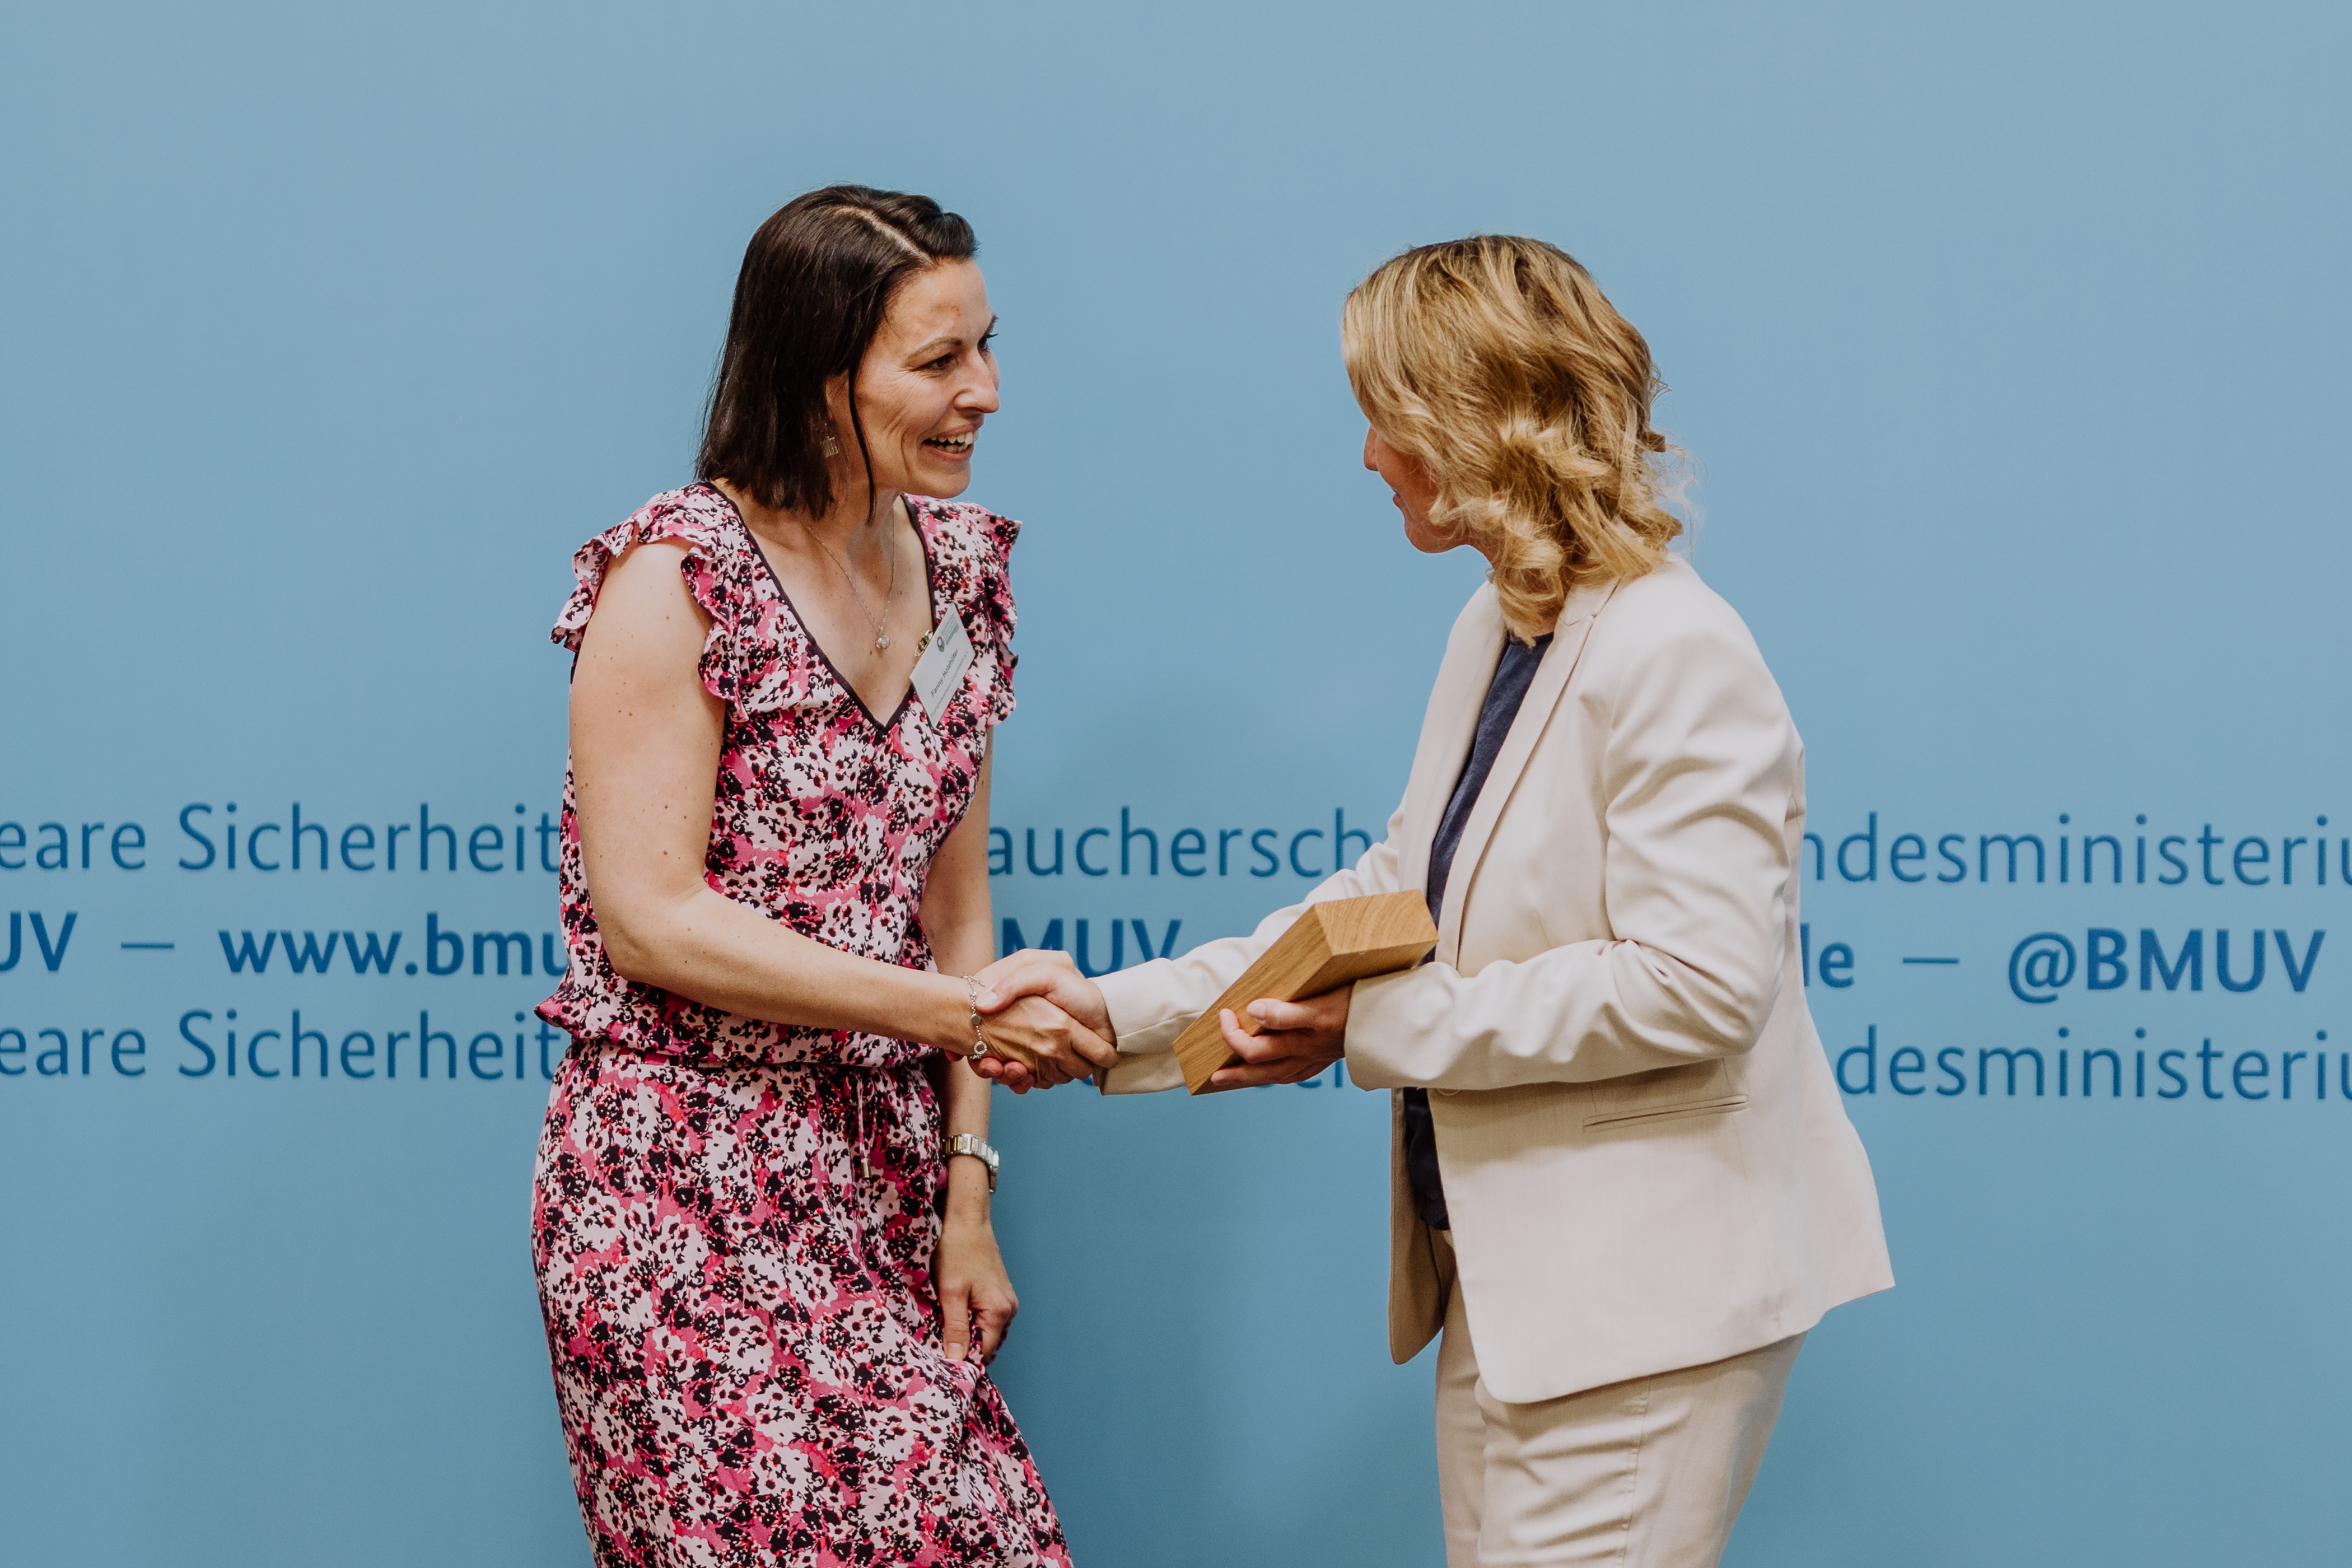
[1333, 944]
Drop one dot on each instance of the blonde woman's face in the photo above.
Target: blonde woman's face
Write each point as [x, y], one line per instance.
[1412, 491]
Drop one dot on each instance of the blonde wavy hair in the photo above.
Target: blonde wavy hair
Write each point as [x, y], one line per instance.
[1499, 364]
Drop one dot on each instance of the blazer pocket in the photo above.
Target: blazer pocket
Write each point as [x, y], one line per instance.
[1648, 1113]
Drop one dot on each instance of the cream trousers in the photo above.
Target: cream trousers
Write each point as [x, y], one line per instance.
[1649, 1473]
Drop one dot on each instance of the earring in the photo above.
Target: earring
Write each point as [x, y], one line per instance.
[832, 446]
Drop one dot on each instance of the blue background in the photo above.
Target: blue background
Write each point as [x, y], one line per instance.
[2009, 344]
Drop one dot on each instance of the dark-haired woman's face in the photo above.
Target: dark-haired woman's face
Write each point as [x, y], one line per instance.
[928, 381]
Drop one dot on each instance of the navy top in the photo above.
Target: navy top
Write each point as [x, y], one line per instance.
[1513, 675]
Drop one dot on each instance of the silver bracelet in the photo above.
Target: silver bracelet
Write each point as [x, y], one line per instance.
[979, 1040]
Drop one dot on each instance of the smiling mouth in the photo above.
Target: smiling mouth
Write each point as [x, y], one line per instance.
[953, 446]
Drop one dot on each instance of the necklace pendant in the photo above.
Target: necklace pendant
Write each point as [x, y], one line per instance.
[882, 642]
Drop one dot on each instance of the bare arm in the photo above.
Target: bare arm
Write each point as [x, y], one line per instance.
[645, 740]
[956, 916]
[975, 1295]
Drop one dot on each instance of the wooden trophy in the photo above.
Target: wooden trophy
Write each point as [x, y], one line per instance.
[1333, 944]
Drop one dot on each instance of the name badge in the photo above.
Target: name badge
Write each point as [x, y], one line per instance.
[947, 655]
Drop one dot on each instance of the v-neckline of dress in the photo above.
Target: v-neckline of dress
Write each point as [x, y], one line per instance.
[800, 622]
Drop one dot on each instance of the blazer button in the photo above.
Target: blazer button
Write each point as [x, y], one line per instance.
[1449, 1093]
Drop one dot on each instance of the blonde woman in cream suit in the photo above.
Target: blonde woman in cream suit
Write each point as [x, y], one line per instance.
[1622, 1183]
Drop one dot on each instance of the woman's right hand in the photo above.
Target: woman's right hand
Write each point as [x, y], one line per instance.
[1035, 1042]
[1022, 981]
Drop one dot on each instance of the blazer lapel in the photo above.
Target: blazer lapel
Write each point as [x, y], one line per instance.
[1569, 637]
[1447, 729]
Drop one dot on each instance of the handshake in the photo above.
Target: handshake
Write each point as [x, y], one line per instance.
[1047, 1024]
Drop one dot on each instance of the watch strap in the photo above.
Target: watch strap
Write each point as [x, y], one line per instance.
[978, 1147]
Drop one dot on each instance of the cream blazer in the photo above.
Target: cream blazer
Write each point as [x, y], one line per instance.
[1648, 1164]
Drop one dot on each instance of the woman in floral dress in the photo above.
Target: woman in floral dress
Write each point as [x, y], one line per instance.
[771, 1293]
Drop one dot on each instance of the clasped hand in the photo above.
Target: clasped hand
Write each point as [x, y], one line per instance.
[1033, 1041]
[1295, 1040]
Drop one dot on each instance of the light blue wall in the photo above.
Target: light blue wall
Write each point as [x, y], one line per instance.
[2010, 343]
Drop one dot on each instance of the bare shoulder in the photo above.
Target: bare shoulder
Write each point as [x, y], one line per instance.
[651, 570]
[644, 608]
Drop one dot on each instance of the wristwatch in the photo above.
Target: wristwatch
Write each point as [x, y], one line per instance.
[979, 1148]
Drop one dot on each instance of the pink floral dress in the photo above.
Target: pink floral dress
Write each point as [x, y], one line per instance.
[734, 1220]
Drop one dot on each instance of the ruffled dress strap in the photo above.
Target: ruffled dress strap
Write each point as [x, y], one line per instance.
[749, 659]
[971, 549]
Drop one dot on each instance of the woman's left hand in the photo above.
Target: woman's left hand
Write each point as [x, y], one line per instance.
[1299, 1040]
[976, 1298]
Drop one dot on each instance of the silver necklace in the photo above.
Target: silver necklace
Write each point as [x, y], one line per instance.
[881, 637]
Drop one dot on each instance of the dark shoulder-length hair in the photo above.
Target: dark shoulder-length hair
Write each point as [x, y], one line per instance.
[816, 281]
